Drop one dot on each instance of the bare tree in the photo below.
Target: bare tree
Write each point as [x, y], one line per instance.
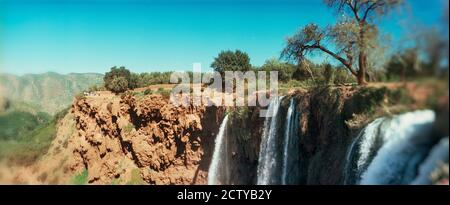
[349, 41]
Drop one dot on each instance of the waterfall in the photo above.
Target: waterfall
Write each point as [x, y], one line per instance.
[389, 150]
[268, 154]
[290, 144]
[362, 151]
[217, 173]
[439, 154]
[397, 159]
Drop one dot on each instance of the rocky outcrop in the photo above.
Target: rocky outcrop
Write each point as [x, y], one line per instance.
[167, 144]
[146, 139]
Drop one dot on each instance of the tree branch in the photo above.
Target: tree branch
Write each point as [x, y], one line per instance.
[370, 8]
[354, 9]
[339, 58]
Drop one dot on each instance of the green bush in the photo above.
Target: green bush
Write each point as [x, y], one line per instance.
[164, 92]
[118, 85]
[285, 70]
[148, 92]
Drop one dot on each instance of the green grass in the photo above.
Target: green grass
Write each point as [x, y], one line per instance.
[164, 92]
[14, 124]
[80, 178]
[136, 178]
[128, 128]
[19, 119]
[27, 148]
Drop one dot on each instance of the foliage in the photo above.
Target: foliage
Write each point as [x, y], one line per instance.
[352, 37]
[319, 75]
[285, 70]
[118, 79]
[134, 81]
[153, 78]
[16, 123]
[164, 92]
[118, 85]
[404, 64]
[25, 149]
[231, 61]
[148, 92]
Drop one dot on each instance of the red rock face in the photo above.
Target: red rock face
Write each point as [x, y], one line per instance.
[167, 144]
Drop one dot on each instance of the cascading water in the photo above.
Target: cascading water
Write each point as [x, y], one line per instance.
[216, 173]
[438, 155]
[388, 151]
[268, 153]
[289, 170]
[362, 151]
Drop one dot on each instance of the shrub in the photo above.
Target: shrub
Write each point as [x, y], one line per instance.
[285, 70]
[148, 92]
[164, 92]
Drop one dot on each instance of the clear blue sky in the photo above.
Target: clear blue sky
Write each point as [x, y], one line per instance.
[93, 35]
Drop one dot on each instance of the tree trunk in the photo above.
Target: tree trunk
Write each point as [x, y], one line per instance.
[362, 60]
[361, 75]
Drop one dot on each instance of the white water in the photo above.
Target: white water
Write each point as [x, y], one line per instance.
[215, 176]
[267, 161]
[394, 162]
[439, 154]
[362, 148]
[288, 144]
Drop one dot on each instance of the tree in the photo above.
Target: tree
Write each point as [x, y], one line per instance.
[112, 81]
[404, 64]
[231, 61]
[119, 85]
[304, 70]
[134, 81]
[351, 38]
[285, 70]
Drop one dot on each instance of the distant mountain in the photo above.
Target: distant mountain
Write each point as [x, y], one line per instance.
[51, 92]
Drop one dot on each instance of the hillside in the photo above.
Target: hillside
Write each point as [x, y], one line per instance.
[19, 119]
[51, 92]
[139, 138]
